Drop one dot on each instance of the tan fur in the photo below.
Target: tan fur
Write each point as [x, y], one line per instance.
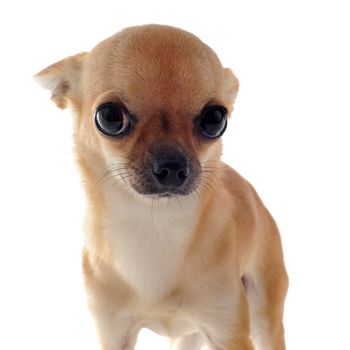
[201, 246]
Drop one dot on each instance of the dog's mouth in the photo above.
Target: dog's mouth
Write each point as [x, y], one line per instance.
[164, 172]
[167, 180]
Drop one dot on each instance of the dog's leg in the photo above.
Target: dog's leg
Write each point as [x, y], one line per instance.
[266, 287]
[117, 326]
[116, 332]
[194, 341]
[224, 320]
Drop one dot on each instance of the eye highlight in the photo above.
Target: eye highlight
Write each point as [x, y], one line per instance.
[112, 119]
[212, 121]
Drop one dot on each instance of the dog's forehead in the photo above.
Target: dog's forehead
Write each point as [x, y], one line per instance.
[155, 67]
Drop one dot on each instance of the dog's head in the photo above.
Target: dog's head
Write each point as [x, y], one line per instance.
[151, 104]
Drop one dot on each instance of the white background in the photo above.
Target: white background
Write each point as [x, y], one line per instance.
[289, 136]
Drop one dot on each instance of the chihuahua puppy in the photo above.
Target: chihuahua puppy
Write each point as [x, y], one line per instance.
[176, 240]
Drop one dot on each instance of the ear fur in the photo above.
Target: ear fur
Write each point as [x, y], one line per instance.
[231, 85]
[62, 78]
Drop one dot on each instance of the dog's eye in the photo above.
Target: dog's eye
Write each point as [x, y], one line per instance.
[213, 121]
[112, 119]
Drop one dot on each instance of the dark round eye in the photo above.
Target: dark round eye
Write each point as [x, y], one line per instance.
[112, 119]
[213, 121]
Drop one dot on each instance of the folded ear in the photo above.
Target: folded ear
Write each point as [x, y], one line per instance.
[231, 85]
[62, 79]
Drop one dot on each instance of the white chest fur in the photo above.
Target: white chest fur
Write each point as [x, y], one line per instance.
[149, 240]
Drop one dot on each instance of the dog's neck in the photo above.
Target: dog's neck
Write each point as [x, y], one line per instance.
[149, 238]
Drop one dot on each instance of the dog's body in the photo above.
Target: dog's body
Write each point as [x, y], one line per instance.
[176, 240]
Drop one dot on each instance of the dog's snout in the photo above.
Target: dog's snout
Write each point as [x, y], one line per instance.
[170, 172]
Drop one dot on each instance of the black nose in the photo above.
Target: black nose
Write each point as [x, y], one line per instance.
[170, 172]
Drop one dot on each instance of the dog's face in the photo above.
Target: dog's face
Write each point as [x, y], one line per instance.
[151, 104]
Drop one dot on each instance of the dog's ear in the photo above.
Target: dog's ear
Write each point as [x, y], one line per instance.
[231, 85]
[62, 79]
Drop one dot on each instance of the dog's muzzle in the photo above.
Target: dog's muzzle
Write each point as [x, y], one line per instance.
[167, 171]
